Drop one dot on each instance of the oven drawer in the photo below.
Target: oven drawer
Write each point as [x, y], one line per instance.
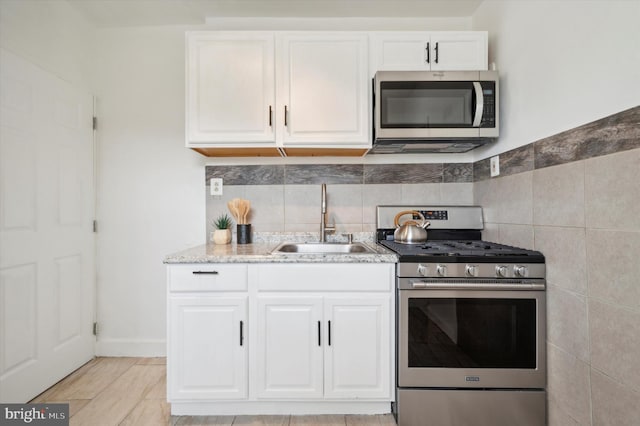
[455, 407]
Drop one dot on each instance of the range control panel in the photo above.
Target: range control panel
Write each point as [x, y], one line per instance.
[440, 217]
[434, 214]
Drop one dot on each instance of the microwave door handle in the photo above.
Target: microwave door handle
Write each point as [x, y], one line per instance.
[479, 104]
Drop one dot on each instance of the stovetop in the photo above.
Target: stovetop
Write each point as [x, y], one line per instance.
[462, 251]
[454, 235]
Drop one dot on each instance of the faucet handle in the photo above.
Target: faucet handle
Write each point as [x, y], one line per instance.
[350, 238]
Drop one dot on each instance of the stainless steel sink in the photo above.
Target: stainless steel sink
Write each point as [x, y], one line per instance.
[322, 248]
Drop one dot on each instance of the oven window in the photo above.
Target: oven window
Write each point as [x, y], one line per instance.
[472, 333]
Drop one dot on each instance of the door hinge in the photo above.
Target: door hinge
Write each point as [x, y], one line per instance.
[95, 328]
[95, 226]
[95, 123]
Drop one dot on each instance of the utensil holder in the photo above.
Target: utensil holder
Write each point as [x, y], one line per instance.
[243, 233]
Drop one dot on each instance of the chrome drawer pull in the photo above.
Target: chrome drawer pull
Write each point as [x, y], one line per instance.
[205, 272]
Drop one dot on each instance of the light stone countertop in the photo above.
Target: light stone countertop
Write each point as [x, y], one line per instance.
[261, 253]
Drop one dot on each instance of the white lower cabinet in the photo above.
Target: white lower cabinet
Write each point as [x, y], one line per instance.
[289, 352]
[323, 347]
[280, 338]
[357, 362]
[207, 351]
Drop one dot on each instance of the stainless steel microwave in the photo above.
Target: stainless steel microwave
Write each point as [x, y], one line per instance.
[434, 111]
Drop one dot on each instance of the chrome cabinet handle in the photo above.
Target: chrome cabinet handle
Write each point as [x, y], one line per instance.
[285, 115]
[329, 334]
[241, 333]
[270, 117]
[319, 325]
[436, 49]
[205, 272]
[428, 53]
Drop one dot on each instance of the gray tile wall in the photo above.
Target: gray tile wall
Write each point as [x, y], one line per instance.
[585, 217]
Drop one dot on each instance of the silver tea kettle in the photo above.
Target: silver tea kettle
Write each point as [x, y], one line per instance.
[411, 231]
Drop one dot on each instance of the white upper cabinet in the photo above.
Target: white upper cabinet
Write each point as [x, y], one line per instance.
[230, 88]
[436, 51]
[323, 89]
[277, 90]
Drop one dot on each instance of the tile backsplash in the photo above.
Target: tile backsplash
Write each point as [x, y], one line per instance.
[286, 198]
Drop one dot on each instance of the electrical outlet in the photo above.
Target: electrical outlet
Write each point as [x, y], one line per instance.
[216, 186]
[495, 166]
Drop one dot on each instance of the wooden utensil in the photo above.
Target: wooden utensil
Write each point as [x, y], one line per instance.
[233, 208]
[247, 207]
[241, 211]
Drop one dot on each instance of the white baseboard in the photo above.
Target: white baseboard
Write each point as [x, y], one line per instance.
[131, 347]
[237, 408]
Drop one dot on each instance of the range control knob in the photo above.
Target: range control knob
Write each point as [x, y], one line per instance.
[501, 271]
[520, 271]
[441, 270]
[422, 270]
[471, 270]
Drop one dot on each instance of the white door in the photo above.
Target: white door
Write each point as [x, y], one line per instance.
[324, 86]
[46, 238]
[358, 349]
[208, 348]
[289, 349]
[459, 51]
[230, 88]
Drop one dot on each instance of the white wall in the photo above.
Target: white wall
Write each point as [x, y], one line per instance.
[49, 34]
[150, 186]
[562, 64]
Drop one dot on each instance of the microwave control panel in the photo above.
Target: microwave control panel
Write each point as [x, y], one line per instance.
[489, 111]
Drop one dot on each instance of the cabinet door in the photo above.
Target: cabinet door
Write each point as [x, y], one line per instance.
[459, 51]
[207, 348]
[324, 87]
[289, 348]
[400, 52]
[358, 347]
[230, 88]
[436, 51]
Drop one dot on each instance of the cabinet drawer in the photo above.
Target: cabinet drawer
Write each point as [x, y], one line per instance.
[326, 277]
[208, 277]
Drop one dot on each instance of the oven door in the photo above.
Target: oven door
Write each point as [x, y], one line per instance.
[471, 335]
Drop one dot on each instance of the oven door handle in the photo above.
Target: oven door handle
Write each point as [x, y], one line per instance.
[462, 285]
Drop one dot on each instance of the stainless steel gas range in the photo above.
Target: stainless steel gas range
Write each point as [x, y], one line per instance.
[471, 325]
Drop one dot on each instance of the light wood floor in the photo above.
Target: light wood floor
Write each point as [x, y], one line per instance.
[132, 392]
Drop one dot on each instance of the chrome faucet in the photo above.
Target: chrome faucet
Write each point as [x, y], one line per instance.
[324, 228]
